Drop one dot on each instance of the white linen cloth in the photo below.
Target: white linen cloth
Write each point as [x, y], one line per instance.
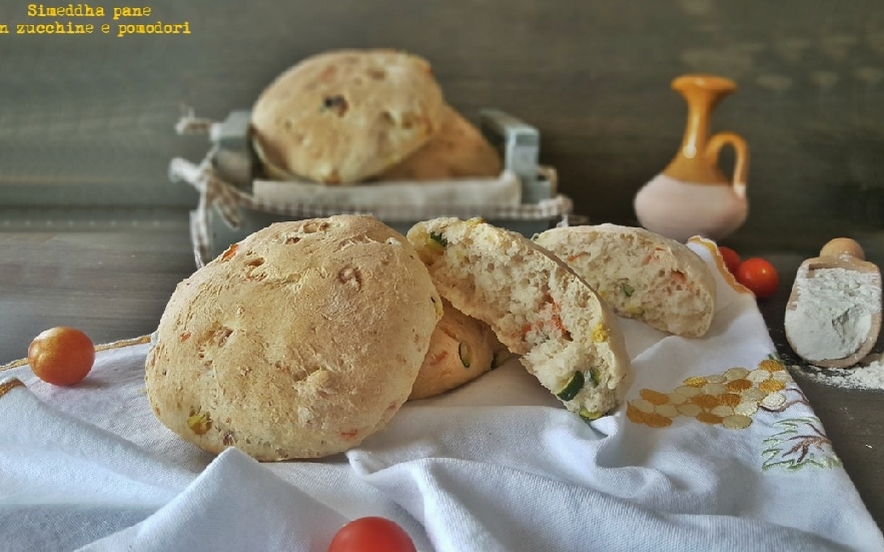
[497, 465]
[505, 190]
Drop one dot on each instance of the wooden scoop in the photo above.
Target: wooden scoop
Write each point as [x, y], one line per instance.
[833, 318]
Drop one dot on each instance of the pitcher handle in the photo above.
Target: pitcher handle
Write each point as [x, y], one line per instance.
[741, 150]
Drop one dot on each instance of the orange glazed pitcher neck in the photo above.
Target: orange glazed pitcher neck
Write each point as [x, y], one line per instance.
[692, 162]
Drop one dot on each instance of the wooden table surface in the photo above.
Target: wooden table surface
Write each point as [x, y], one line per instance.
[114, 285]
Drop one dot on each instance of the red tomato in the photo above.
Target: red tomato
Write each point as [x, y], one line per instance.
[61, 355]
[731, 258]
[371, 534]
[759, 276]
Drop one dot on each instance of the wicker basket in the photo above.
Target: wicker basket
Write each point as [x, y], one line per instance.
[233, 201]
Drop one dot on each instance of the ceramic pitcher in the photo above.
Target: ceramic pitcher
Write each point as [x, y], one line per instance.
[692, 196]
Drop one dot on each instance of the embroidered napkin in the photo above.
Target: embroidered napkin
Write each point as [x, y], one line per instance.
[716, 448]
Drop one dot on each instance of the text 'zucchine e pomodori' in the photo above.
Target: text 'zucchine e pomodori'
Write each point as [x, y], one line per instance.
[80, 19]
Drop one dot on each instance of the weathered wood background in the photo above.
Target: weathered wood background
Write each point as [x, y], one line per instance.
[87, 121]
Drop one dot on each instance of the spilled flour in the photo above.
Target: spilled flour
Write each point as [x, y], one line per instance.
[833, 315]
[869, 374]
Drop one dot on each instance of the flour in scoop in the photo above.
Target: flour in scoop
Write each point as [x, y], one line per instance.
[833, 315]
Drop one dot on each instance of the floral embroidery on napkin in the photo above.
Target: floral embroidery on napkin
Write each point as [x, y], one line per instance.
[800, 443]
[732, 399]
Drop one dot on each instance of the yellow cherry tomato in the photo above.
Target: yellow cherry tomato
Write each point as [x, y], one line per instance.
[61, 355]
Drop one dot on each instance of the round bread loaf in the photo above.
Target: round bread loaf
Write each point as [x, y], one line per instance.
[458, 150]
[640, 274]
[538, 307]
[461, 349]
[298, 342]
[343, 116]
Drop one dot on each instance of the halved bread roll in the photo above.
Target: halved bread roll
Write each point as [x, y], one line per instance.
[640, 274]
[538, 307]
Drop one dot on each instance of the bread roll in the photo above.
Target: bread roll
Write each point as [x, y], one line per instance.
[461, 349]
[640, 274]
[298, 342]
[343, 116]
[458, 150]
[538, 307]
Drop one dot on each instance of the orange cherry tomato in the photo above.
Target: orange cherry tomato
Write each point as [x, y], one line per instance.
[371, 534]
[731, 258]
[61, 355]
[759, 276]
